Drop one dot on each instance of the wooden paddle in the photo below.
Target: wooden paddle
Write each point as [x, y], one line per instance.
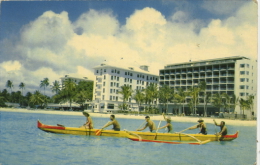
[157, 130]
[216, 130]
[141, 125]
[98, 132]
[186, 129]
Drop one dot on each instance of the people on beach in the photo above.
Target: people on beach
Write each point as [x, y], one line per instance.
[202, 126]
[168, 124]
[223, 129]
[89, 123]
[150, 124]
[114, 122]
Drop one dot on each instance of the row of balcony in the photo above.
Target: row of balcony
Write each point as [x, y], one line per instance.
[193, 77]
[196, 72]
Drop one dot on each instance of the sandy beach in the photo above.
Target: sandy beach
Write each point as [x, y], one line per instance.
[127, 116]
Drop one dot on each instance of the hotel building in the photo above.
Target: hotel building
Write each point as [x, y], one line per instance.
[232, 75]
[110, 78]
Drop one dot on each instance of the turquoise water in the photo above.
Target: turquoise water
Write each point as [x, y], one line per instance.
[21, 142]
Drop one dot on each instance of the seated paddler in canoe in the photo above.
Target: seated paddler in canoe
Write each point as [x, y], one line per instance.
[202, 126]
[89, 122]
[223, 129]
[114, 122]
[150, 124]
[168, 124]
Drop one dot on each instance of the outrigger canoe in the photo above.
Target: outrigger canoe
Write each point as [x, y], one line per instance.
[127, 134]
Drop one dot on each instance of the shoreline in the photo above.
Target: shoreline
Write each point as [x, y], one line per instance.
[141, 117]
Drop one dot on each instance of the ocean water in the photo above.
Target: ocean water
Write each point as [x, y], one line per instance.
[22, 143]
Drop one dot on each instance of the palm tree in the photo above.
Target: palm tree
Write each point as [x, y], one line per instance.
[234, 101]
[151, 94]
[203, 86]
[194, 93]
[44, 83]
[69, 90]
[9, 84]
[165, 95]
[139, 98]
[244, 104]
[22, 86]
[81, 98]
[180, 96]
[56, 87]
[126, 92]
[217, 101]
[250, 100]
[37, 98]
[227, 103]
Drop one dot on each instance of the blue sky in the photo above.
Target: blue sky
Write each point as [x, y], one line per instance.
[52, 38]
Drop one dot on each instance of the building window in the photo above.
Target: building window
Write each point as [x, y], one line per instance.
[125, 73]
[242, 80]
[111, 97]
[116, 98]
[96, 71]
[130, 80]
[103, 90]
[112, 70]
[111, 77]
[242, 65]
[103, 97]
[110, 106]
[104, 77]
[138, 75]
[111, 84]
[117, 78]
[247, 65]
[242, 72]
[117, 85]
[242, 94]
[242, 87]
[111, 90]
[104, 83]
[118, 72]
[125, 79]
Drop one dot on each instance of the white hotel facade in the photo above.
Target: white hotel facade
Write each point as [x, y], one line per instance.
[110, 78]
[232, 75]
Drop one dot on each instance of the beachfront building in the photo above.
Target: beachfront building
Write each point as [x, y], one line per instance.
[110, 78]
[231, 75]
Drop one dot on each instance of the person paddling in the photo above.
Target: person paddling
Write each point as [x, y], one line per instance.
[114, 122]
[89, 122]
[223, 129]
[149, 124]
[202, 126]
[168, 124]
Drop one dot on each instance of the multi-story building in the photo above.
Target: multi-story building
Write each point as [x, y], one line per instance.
[110, 78]
[232, 75]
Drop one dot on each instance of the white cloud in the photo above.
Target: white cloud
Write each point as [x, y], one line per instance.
[11, 65]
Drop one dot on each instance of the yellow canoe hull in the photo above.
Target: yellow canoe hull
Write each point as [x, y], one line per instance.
[126, 134]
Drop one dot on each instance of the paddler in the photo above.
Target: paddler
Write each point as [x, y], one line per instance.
[223, 129]
[202, 126]
[114, 122]
[150, 124]
[168, 124]
[89, 122]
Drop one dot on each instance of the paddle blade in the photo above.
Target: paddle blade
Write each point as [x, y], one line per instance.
[98, 132]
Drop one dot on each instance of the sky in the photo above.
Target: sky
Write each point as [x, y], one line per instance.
[40, 39]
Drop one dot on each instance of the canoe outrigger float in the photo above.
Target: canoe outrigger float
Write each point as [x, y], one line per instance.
[137, 136]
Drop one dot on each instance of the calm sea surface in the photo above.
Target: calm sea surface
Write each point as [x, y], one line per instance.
[21, 142]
